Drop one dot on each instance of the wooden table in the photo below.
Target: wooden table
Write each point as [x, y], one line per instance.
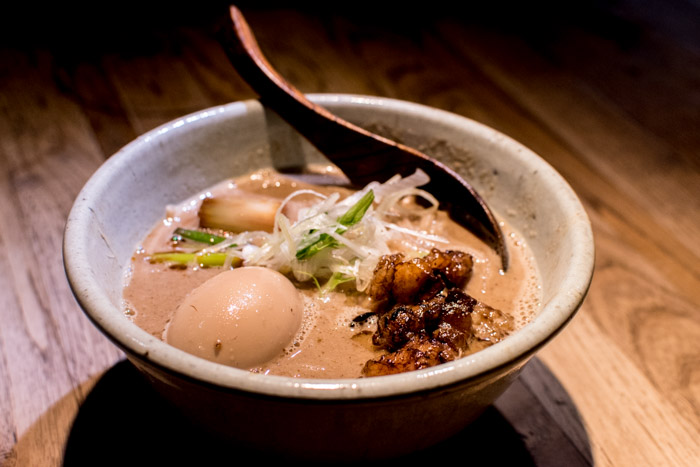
[608, 93]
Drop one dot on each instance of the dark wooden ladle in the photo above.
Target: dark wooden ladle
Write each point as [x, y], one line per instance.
[360, 154]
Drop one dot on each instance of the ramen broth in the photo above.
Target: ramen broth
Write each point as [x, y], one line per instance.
[328, 344]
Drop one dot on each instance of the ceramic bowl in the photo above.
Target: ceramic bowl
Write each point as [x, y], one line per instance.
[322, 419]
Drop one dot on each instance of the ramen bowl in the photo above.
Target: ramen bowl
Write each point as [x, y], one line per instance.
[322, 418]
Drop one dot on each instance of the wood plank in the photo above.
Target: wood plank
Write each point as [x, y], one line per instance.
[155, 90]
[47, 155]
[677, 20]
[548, 392]
[8, 429]
[619, 404]
[541, 411]
[211, 68]
[328, 57]
[98, 99]
[647, 77]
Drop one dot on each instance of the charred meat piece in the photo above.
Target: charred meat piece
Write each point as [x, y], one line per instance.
[403, 322]
[452, 336]
[383, 279]
[446, 316]
[435, 331]
[400, 281]
[489, 324]
[455, 325]
[421, 352]
[455, 267]
[424, 317]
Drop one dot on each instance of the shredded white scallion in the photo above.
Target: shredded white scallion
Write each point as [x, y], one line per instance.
[349, 250]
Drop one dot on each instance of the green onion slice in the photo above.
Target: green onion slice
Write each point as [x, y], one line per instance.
[204, 260]
[351, 217]
[199, 236]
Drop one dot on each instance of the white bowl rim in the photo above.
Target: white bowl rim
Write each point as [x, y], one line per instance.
[519, 346]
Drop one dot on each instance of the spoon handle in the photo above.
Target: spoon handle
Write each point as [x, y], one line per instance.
[357, 152]
[361, 155]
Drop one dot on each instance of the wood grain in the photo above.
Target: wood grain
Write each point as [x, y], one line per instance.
[48, 152]
[606, 92]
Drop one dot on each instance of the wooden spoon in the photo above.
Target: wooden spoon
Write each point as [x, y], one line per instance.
[360, 154]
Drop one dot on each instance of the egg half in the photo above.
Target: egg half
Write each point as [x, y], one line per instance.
[243, 317]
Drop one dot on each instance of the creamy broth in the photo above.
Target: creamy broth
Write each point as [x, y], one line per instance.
[328, 345]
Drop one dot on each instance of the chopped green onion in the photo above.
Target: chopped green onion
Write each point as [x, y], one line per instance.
[204, 260]
[324, 241]
[199, 236]
[358, 210]
[336, 279]
[351, 217]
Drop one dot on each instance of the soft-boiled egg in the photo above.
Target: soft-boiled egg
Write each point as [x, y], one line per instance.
[242, 317]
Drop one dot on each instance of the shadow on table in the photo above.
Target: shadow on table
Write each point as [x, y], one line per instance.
[124, 422]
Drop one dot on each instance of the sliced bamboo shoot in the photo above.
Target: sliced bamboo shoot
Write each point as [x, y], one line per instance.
[239, 213]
